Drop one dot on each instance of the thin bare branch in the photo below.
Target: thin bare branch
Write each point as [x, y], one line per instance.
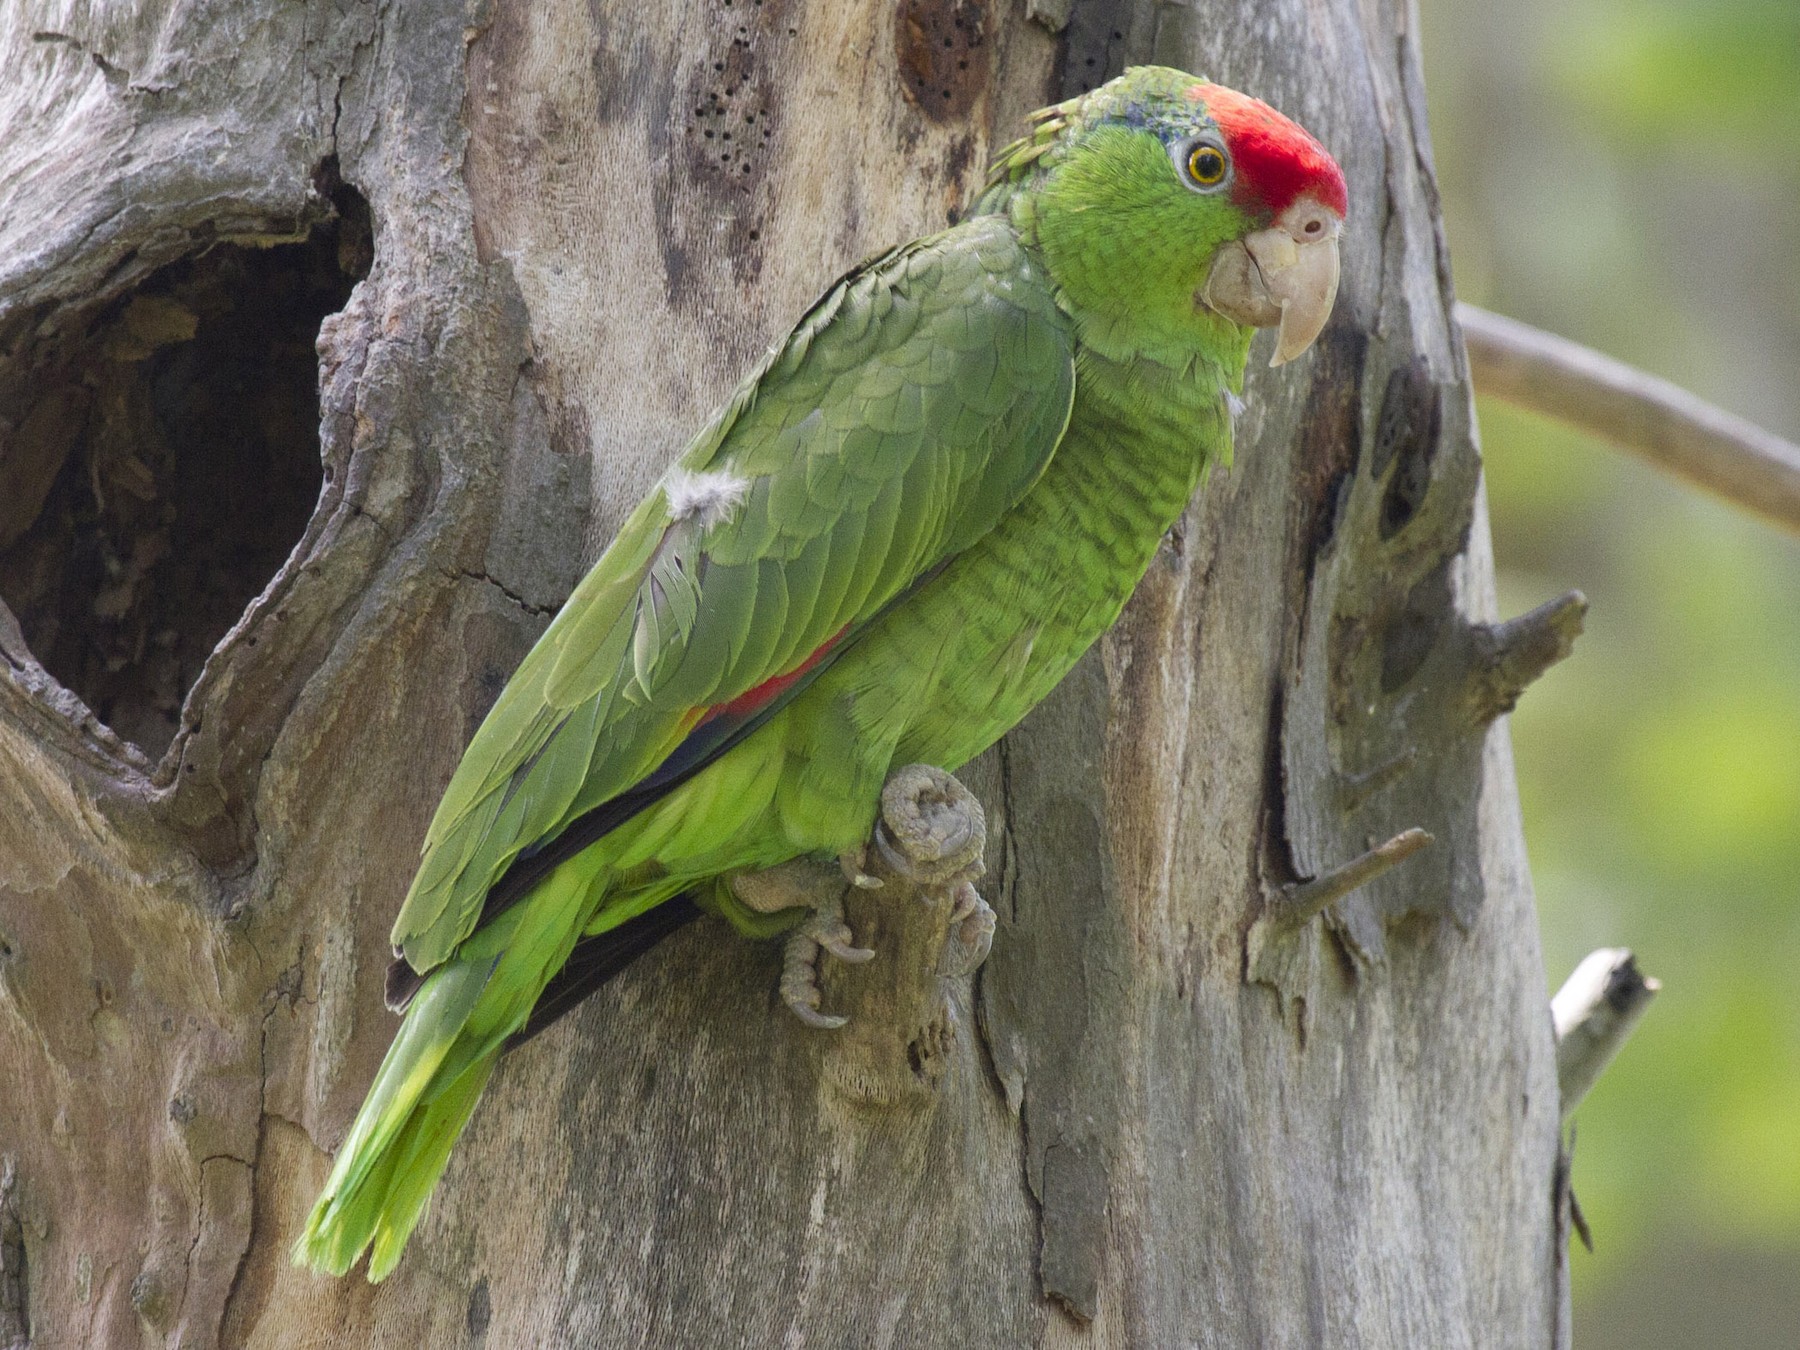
[1594, 1012]
[1673, 429]
[1309, 898]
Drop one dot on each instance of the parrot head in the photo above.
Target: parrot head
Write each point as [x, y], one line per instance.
[1179, 212]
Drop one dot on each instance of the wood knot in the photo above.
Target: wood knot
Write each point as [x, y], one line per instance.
[932, 829]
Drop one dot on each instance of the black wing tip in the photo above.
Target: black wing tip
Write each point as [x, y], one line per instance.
[597, 959]
[401, 984]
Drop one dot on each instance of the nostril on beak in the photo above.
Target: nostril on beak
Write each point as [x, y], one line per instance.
[1309, 222]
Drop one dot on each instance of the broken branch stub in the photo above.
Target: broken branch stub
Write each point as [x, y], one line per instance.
[1507, 658]
[932, 829]
[900, 1019]
[1596, 1009]
[1282, 949]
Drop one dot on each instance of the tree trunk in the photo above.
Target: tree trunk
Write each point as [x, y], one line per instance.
[1172, 1110]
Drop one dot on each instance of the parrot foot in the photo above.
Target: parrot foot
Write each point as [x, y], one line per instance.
[971, 934]
[929, 837]
[805, 883]
[825, 931]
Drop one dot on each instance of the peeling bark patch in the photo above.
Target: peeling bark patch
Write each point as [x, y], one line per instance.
[481, 1311]
[1053, 1000]
[1331, 438]
[166, 459]
[15, 1306]
[1388, 667]
[942, 52]
[1075, 1184]
[1406, 440]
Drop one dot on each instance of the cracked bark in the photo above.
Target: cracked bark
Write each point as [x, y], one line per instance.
[1128, 1130]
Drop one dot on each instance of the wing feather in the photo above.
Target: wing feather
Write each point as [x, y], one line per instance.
[907, 412]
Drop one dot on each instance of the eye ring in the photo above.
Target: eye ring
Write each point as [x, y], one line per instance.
[1203, 164]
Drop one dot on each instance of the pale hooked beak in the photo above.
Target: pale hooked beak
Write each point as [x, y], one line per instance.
[1286, 276]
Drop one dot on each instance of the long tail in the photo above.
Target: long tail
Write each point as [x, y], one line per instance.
[400, 1142]
[466, 1014]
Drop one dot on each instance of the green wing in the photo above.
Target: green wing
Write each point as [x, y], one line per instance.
[906, 413]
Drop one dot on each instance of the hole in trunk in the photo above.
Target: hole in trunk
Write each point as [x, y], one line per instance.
[164, 460]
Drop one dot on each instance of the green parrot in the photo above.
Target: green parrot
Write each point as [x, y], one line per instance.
[889, 545]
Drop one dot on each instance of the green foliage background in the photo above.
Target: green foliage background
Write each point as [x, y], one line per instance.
[1627, 172]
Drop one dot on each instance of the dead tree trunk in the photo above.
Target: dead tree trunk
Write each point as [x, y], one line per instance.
[249, 636]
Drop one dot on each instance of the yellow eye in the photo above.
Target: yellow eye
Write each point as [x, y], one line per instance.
[1206, 165]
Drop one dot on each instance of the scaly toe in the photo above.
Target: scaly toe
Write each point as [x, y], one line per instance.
[964, 901]
[800, 983]
[969, 940]
[824, 931]
[851, 862]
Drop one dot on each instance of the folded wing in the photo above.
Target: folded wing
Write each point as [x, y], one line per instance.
[907, 412]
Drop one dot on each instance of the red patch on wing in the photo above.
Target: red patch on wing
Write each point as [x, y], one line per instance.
[1275, 157]
[748, 702]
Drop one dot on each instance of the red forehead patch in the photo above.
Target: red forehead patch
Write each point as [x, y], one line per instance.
[1275, 157]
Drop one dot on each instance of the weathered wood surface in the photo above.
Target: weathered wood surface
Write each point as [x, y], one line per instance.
[1127, 1131]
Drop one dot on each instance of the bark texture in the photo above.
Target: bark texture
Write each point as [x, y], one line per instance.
[549, 237]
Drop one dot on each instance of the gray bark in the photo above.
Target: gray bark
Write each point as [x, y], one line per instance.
[1161, 1115]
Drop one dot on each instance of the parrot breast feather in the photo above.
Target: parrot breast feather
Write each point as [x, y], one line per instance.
[910, 409]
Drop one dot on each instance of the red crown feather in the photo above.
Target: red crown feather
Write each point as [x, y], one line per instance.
[1276, 160]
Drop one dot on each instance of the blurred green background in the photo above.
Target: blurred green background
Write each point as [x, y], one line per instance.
[1627, 173]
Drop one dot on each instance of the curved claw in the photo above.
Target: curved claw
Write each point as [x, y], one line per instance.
[800, 983]
[813, 1018]
[902, 865]
[837, 941]
[895, 859]
[851, 863]
[929, 888]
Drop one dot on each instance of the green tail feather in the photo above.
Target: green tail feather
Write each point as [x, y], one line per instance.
[430, 1135]
[455, 1030]
[402, 1137]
